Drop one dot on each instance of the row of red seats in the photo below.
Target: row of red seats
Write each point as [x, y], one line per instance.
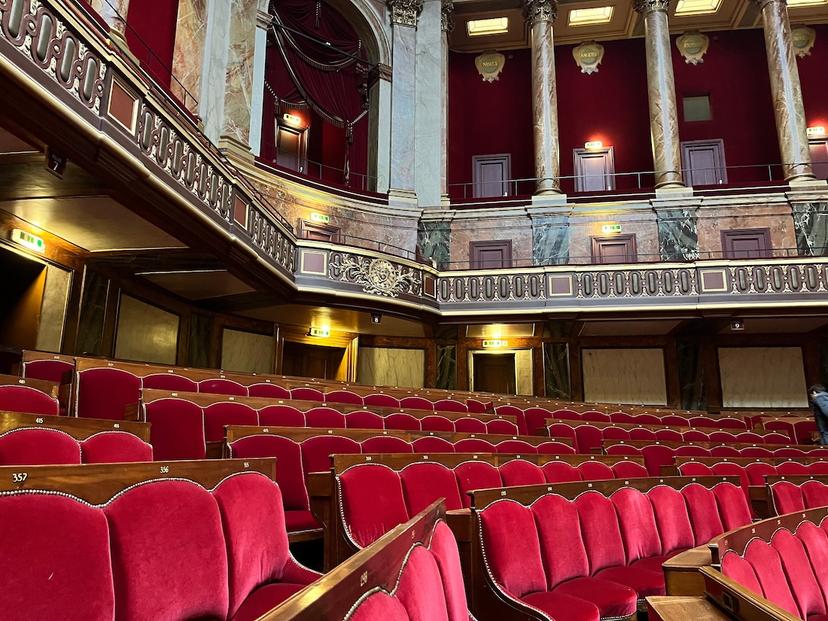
[790, 496]
[297, 459]
[181, 428]
[596, 557]
[752, 474]
[587, 438]
[42, 446]
[657, 456]
[161, 549]
[27, 399]
[787, 569]
[375, 497]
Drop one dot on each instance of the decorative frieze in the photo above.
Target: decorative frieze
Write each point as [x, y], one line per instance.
[374, 275]
[405, 12]
[540, 10]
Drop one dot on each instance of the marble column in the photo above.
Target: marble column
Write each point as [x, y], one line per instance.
[446, 26]
[214, 68]
[404, 15]
[379, 128]
[188, 52]
[540, 15]
[791, 126]
[113, 12]
[661, 91]
[263, 19]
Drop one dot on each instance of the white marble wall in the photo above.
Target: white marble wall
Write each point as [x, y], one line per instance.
[214, 68]
[247, 352]
[403, 110]
[428, 135]
[385, 366]
[145, 333]
[633, 376]
[53, 308]
[259, 62]
[379, 151]
[762, 377]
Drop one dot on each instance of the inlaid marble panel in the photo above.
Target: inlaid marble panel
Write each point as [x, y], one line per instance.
[433, 239]
[238, 94]
[550, 240]
[677, 234]
[145, 333]
[762, 377]
[774, 216]
[641, 224]
[188, 54]
[556, 370]
[387, 366]
[811, 226]
[447, 367]
[466, 230]
[53, 308]
[634, 376]
[247, 352]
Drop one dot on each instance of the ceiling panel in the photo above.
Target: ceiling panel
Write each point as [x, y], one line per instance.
[199, 285]
[337, 319]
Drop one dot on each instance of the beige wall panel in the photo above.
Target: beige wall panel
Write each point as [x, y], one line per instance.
[385, 366]
[247, 352]
[145, 333]
[624, 376]
[762, 377]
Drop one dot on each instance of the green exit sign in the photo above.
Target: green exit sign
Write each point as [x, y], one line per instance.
[27, 240]
[610, 229]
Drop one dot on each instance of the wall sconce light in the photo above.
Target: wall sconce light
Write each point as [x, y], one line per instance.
[319, 332]
[495, 344]
[27, 240]
[293, 119]
[818, 131]
[611, 229]
[593, 145]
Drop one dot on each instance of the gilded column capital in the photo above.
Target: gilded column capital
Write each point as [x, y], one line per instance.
[540, 11]
[650, 6]
[405, 12]
[761, 4]
[447, 15]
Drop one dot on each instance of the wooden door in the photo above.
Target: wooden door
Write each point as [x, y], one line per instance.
[290, 148]
[491, 175]
[703, 162]
[614, 249]
[495, 373]
[302, 360]
[819, 158]
[490, 255]
[594, 170]
[746, 243]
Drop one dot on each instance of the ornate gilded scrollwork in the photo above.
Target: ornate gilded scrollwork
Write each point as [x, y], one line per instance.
[375, 276]
[405, 12]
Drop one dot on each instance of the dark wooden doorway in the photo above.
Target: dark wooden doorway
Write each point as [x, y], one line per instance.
[819, 158]
[594, 170]
[614, 249]
[746, 243]
[491, 175]
[302, 360]
[704, 162]
[495, 373]
[23, 283]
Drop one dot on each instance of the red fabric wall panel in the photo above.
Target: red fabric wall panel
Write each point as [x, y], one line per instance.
[151, 35]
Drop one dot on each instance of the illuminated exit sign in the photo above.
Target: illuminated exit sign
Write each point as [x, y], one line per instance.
[27, 240]
[609, 229]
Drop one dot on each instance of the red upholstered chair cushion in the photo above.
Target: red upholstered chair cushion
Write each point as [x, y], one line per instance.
[623, 449]
[672, 519]
[520, 416]
[268, 390]
[728, 469]
[257, 542]
[615, 433]
[432, 445]
[554, 448]
[372, 502]
[675, 420]
[217, 415]
[741, 571]
[105, 392]
[54, 559]
[640, 433]
[600, 530]
[40, 446]
[107, 447]
[553, 602]
[169, 559]
[425, 482]
[343, 396]
[50, 370]
[537, 418]
[520, 472]
[560, 472]
[695, 469]
[512, 547]
[775, 438]
[222, 386]
[668, 435]
[176, 429]
[588, 438]
[756, 472]
[381, 400]
[169, 381]
[436, 423]
[595, 471]
[479, 407]
[748, 436]
[628, 470]
[403, 422]
[611, 598]
[316, 452]
[814, 494]
[327, 418]
[692, 451]
[704, 513]
[638, 524]
[416, 403]
[818, 467]
[815, 540]
[473, 445]
[695, 435]
[798, 569]
[27, 399]
[755, 451]
[562, 545]
[724, 451]
[473, 475]
[501, 426]
[281, 416]
[263, 599]
[289, 473]
[420, 588]
[732, 502]
[386, 444]
[565, 431]
[722, 436]
[362, 419]
[656, 456]
[647, 419]
[470, 425]
[380, 605]
[595, 416]
[305, 393]
[787, 497]
[769, 572]
[789, 452]
[450, 405]
[444, 549]
[515, 447]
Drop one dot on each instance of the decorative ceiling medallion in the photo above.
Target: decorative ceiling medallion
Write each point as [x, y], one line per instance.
[588, 56]
[375, 276]
[693, 46]
[490, 65]
[803, 39]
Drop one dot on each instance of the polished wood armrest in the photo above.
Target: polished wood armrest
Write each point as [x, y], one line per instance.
[662, 608]
[681, 572]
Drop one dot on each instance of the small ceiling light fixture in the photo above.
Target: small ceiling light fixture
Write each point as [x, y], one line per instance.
[376, 318]
[487, 27]
[590, 16]
[697, 7]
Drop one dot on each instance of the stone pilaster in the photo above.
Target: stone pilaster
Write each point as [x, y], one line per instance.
[188, 53]
[447, 26]
[379, 149]
[540, 15]
[263, 20]
[661, 91]
[791, 126]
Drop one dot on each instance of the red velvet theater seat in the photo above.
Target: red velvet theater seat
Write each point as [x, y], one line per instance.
[217, 415]
[501, 426]
[27, 399]
[381, 400]
[325, 417]
[169, 381]
[402, 422]
[628, 470]
[107, 447]
[416, 403]
[343, 396]
[470, 425]
[268, 391]
[425, 482]
[560, 472]
[520, 472]
[361, 419]
[475, 475]
[105, 393]
[436, 423]
[176, 429]
[281, 416]
[38, 446]
[372, 502]
[307, 394]
[515, 447]
[386, 444]
[317, 451]
[49, 370]
[432, 445]
[595, 471]
[450, 405]
[222, 386]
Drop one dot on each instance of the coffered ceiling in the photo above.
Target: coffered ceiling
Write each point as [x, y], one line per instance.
[623, 23]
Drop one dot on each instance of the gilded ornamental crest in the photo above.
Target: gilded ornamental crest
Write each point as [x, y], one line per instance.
[588, 56]
[803, 39]
[490, 65]
[693, 46]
